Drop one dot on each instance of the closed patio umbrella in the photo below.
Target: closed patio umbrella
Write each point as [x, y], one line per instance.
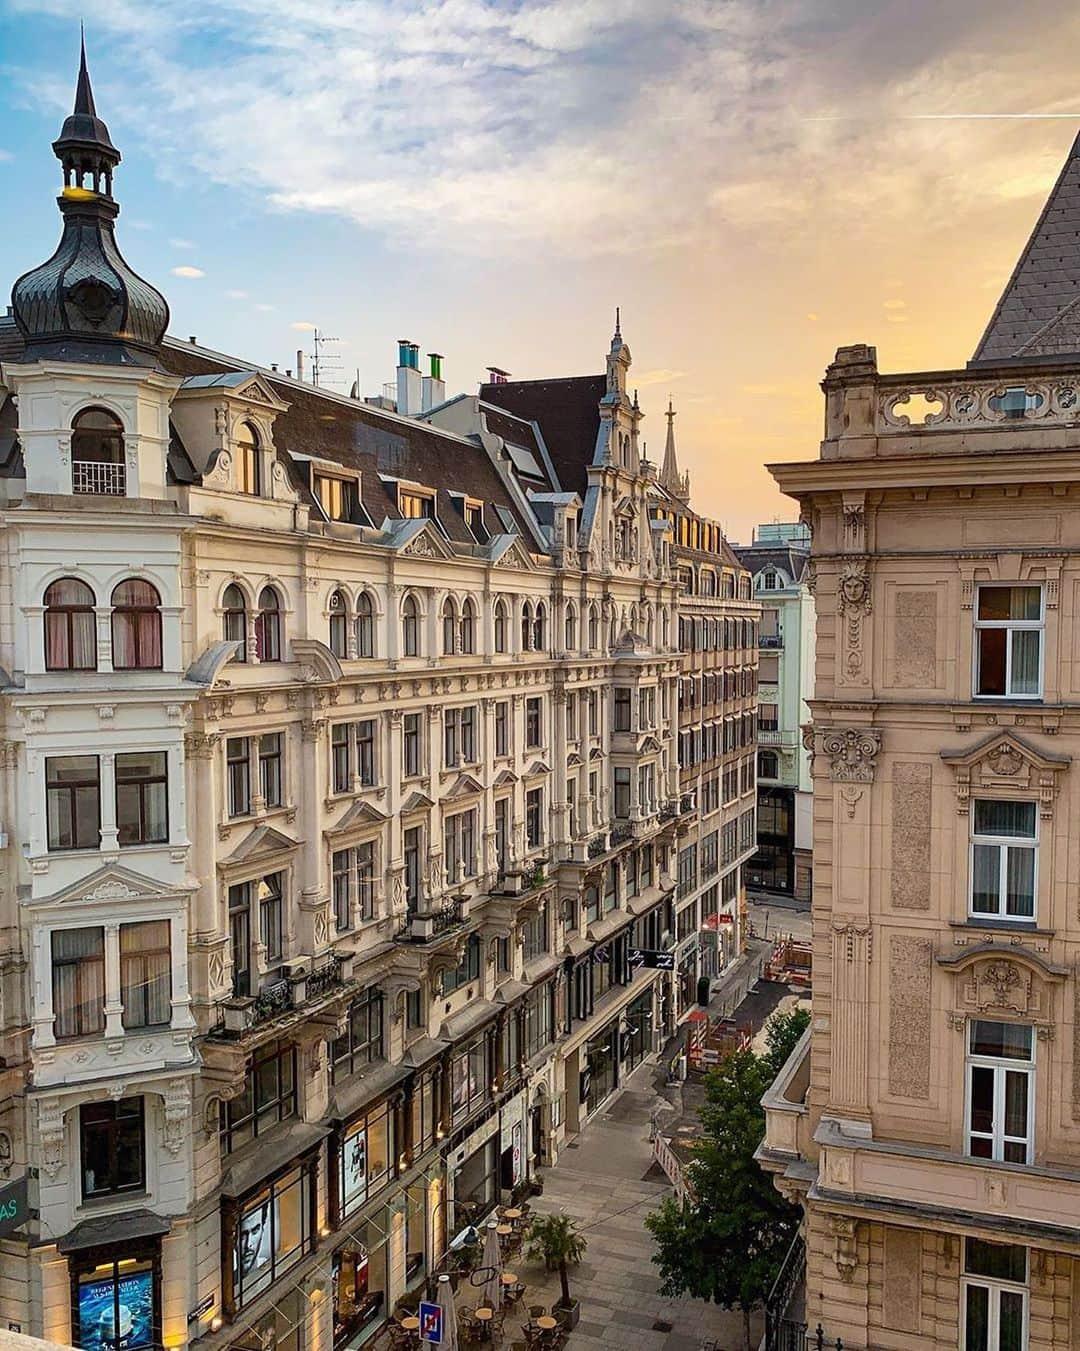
[445, 1301]
[492, 1259]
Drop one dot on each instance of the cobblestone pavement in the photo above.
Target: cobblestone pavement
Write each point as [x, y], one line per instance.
[608, 1183]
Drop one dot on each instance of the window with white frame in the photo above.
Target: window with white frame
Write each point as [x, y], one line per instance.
[82, 983]
[1004, 843]
[1009, 642]
[1000, 1091]
[995, 1296]
[353, 885]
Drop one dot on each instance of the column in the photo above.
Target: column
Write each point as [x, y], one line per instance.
[114, 1008]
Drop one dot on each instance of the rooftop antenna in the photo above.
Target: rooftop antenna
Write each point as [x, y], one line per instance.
[322, 362]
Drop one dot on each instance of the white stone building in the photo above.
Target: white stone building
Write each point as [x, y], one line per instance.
[334, 873]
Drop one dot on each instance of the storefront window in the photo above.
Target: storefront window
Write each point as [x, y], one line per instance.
[637, 1039]
[425, 1112]
[115, 1307]
[361, 1281]
[470, 1079]
[601, 1060]
[272, 1234]
[366, 1159]
[539, 1028]
[476, 1185]
[415, 1234]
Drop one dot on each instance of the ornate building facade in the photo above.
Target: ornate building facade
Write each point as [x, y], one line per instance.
[341, 808]
[930, 1122]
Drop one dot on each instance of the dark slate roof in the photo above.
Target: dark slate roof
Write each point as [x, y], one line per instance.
[758, 557]
[1045, 283]
[367, 440]
[567, 412]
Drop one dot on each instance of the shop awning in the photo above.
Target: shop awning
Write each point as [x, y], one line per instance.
[129, 1227]
[362, 1089]
[263, 1158]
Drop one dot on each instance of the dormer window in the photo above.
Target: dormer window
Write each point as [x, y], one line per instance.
[97, 454]
[474, 520]
[248, 461]
[415, 505]
[337, 496]
[770, 581]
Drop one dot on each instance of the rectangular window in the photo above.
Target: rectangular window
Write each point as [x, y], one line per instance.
[535, 935]
[240, 937]
[533, 723]
[146, 974]
[73, 801]
[459, 847]
[502, 832]
[768, 720]
[412, 760]
[622, 792]
[591, 904]
[352, 755]
[571, 717]
[466, 971]
[270, 768]
[367, 1157]
[142, 798]
[268, 1096]
[594, 713]
[273, 1232]
[238, 775]
[470, 1080]
[411, 842]
[416, 506]
[337, 496]
[622, 708]
[1001, 1091]
[352, 874]
[1009, 639]
[270, 916]
[459, 736]
[502, 728]
[994, 1296]
[534, 818]
[78, 982]
[1004, 838]
[362, 1041]
[111, 1147]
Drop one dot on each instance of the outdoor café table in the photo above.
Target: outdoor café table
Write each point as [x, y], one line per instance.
[508, 1278]
[483, 1317]
[504, 1230]
[547, 1324]
[511, 1213]
[411, 1324]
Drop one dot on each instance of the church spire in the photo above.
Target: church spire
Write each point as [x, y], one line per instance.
[84, 146]
[677, 484]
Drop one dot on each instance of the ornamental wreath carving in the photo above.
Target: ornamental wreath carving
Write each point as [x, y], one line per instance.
[852, 753]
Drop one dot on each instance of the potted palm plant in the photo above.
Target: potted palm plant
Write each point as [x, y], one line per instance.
[556, 1241]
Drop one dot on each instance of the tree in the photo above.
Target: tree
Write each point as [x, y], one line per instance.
[726, 1244]
[555, 1240]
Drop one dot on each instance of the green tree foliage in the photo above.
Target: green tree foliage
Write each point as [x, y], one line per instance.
[555, 1240]
[726, 1245]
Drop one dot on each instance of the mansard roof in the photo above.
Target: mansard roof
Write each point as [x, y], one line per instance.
[1036, 316]
[567, 412]
[380, 446]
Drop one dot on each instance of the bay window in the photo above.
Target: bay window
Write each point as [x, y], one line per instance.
[78, 982]
[73, 801]
[142, 798]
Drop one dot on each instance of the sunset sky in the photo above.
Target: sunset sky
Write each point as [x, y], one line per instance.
[754, 184]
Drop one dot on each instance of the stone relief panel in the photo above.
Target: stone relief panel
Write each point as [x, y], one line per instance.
[911, 816]
[913, 663]
[1076, 1063]
[901, 1302]
[851, 752]
[910, 968]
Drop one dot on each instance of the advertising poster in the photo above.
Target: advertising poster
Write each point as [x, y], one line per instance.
[117, 1314]
[354, 1167]
[254, 1243]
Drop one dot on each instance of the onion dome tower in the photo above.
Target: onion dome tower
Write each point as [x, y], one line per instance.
[86, 304]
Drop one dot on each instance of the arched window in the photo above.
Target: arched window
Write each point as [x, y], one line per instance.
[449, 627]
[467, 627]
[410, 627]
[768, 765]
[365, 626]
[97, 453]
[248, 461]
[540, 627]
[500, 626]
[339, 625]
[268, 625]
[235, 615]
[571, 628]
[526, 626]
[594, 628]
[70, 628]
[136, 627]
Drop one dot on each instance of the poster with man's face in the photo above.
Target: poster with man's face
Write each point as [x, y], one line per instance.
[354, 1166]
[254, 1240]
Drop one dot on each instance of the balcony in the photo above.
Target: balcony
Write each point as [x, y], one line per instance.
[773, 736]
[293, 991]
[99, 477]
[788, 1148]
[436, 921]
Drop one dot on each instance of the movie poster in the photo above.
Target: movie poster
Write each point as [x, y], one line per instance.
[354, 1167]
[117, 1313]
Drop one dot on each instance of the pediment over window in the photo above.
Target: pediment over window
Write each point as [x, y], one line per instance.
[573, 760]
[261, 842]
[109, 886]
[1005, 762]
[536, 769]
[994, 979]
[505, 778]
[507, 552]
[255, 390]
[416, 802]
[650, 746]
[465, 786]
[419, 538]
[626, 509]
[360, 814]
[318, 661]
[596, 753]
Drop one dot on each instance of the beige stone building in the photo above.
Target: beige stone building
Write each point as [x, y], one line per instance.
[931, 1122]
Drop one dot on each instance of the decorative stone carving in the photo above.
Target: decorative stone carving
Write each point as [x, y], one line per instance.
[852, 797]
[854, 588]
[910, 967]
[910, 824]
[177, 1104]
[421, 547]
[1005, 760]
[997, 978]
[852, 753]
[51, 1135]
[915, 640]
[845, 1245]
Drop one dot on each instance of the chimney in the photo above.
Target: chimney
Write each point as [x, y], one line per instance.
[496, 376]
[299, 364]
[273, 365]
[193, 340]
[434, 384]
[409, 379]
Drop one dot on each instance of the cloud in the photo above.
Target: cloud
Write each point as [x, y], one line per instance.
[5, 155]
[237, 295]
[186, 271]
[181, 244]
[895, 304]
[264, 308]
[658, 377]
[303, 326]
